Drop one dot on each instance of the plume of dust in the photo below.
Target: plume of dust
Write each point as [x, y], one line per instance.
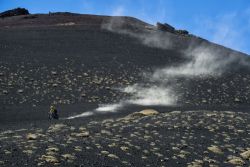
[203, 61]
[85, 114]
[158, 40]
[109, 107]
[152, 95]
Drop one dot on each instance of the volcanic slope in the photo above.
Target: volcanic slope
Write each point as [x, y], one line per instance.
[72, 59]
[79, 61]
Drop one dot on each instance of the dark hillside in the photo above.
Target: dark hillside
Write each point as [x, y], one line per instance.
[66, 58]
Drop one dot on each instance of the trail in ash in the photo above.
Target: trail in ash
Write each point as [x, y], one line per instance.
[158, 87]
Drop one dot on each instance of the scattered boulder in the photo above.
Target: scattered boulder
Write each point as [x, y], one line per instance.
[236, 161]
[20, 91]
[55, 85]
[56, 128]
[215, 149]
[105, 152]
[53, 72]
[82, 134]
[143, 113]
[52, 149]
[28, 152]
[31, 136]
[124, 148]
[196, 163]
[5, 92]
[149, 112]
[14, 12]
[246, 155]
[78, 148]
[49, 159]
[113, 156]
[69, 158]
[237, 100]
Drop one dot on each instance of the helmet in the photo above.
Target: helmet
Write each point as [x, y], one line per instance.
[52, 107]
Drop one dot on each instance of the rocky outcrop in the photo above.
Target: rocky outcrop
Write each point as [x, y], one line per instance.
[149, 112]
[165, 27]
[143, 113]
[168, 28]
[14, 12]
[182, 32]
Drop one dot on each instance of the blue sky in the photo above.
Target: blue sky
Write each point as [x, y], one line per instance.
[226, 22]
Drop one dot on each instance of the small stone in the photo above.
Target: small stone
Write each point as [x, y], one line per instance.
[83, 95]
[5, 92]
[69, 157]
[113, 156]
[82, 134]
[78, 148]
[56, 128]
[204, 101]
[105, 152]
[55, 85]
[123, 148]
[29, 152]
[112, 145]
[7, 152]
[237, 99]
[31, 136]
[50, 159]
[20, 91]
[53, 72]
[52, 149]
[82, 128]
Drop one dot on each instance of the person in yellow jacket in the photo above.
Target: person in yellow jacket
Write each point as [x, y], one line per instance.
[53, 113]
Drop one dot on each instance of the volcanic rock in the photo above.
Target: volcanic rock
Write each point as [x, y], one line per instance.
[149, 112]
[236, 161]
[49, 159]
[143, 113]
[31, 136]
[14, 12]
[165, 27]
[215, 149]
[246, 154]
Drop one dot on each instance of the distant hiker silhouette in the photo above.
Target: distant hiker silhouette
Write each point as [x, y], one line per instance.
[53, 113]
